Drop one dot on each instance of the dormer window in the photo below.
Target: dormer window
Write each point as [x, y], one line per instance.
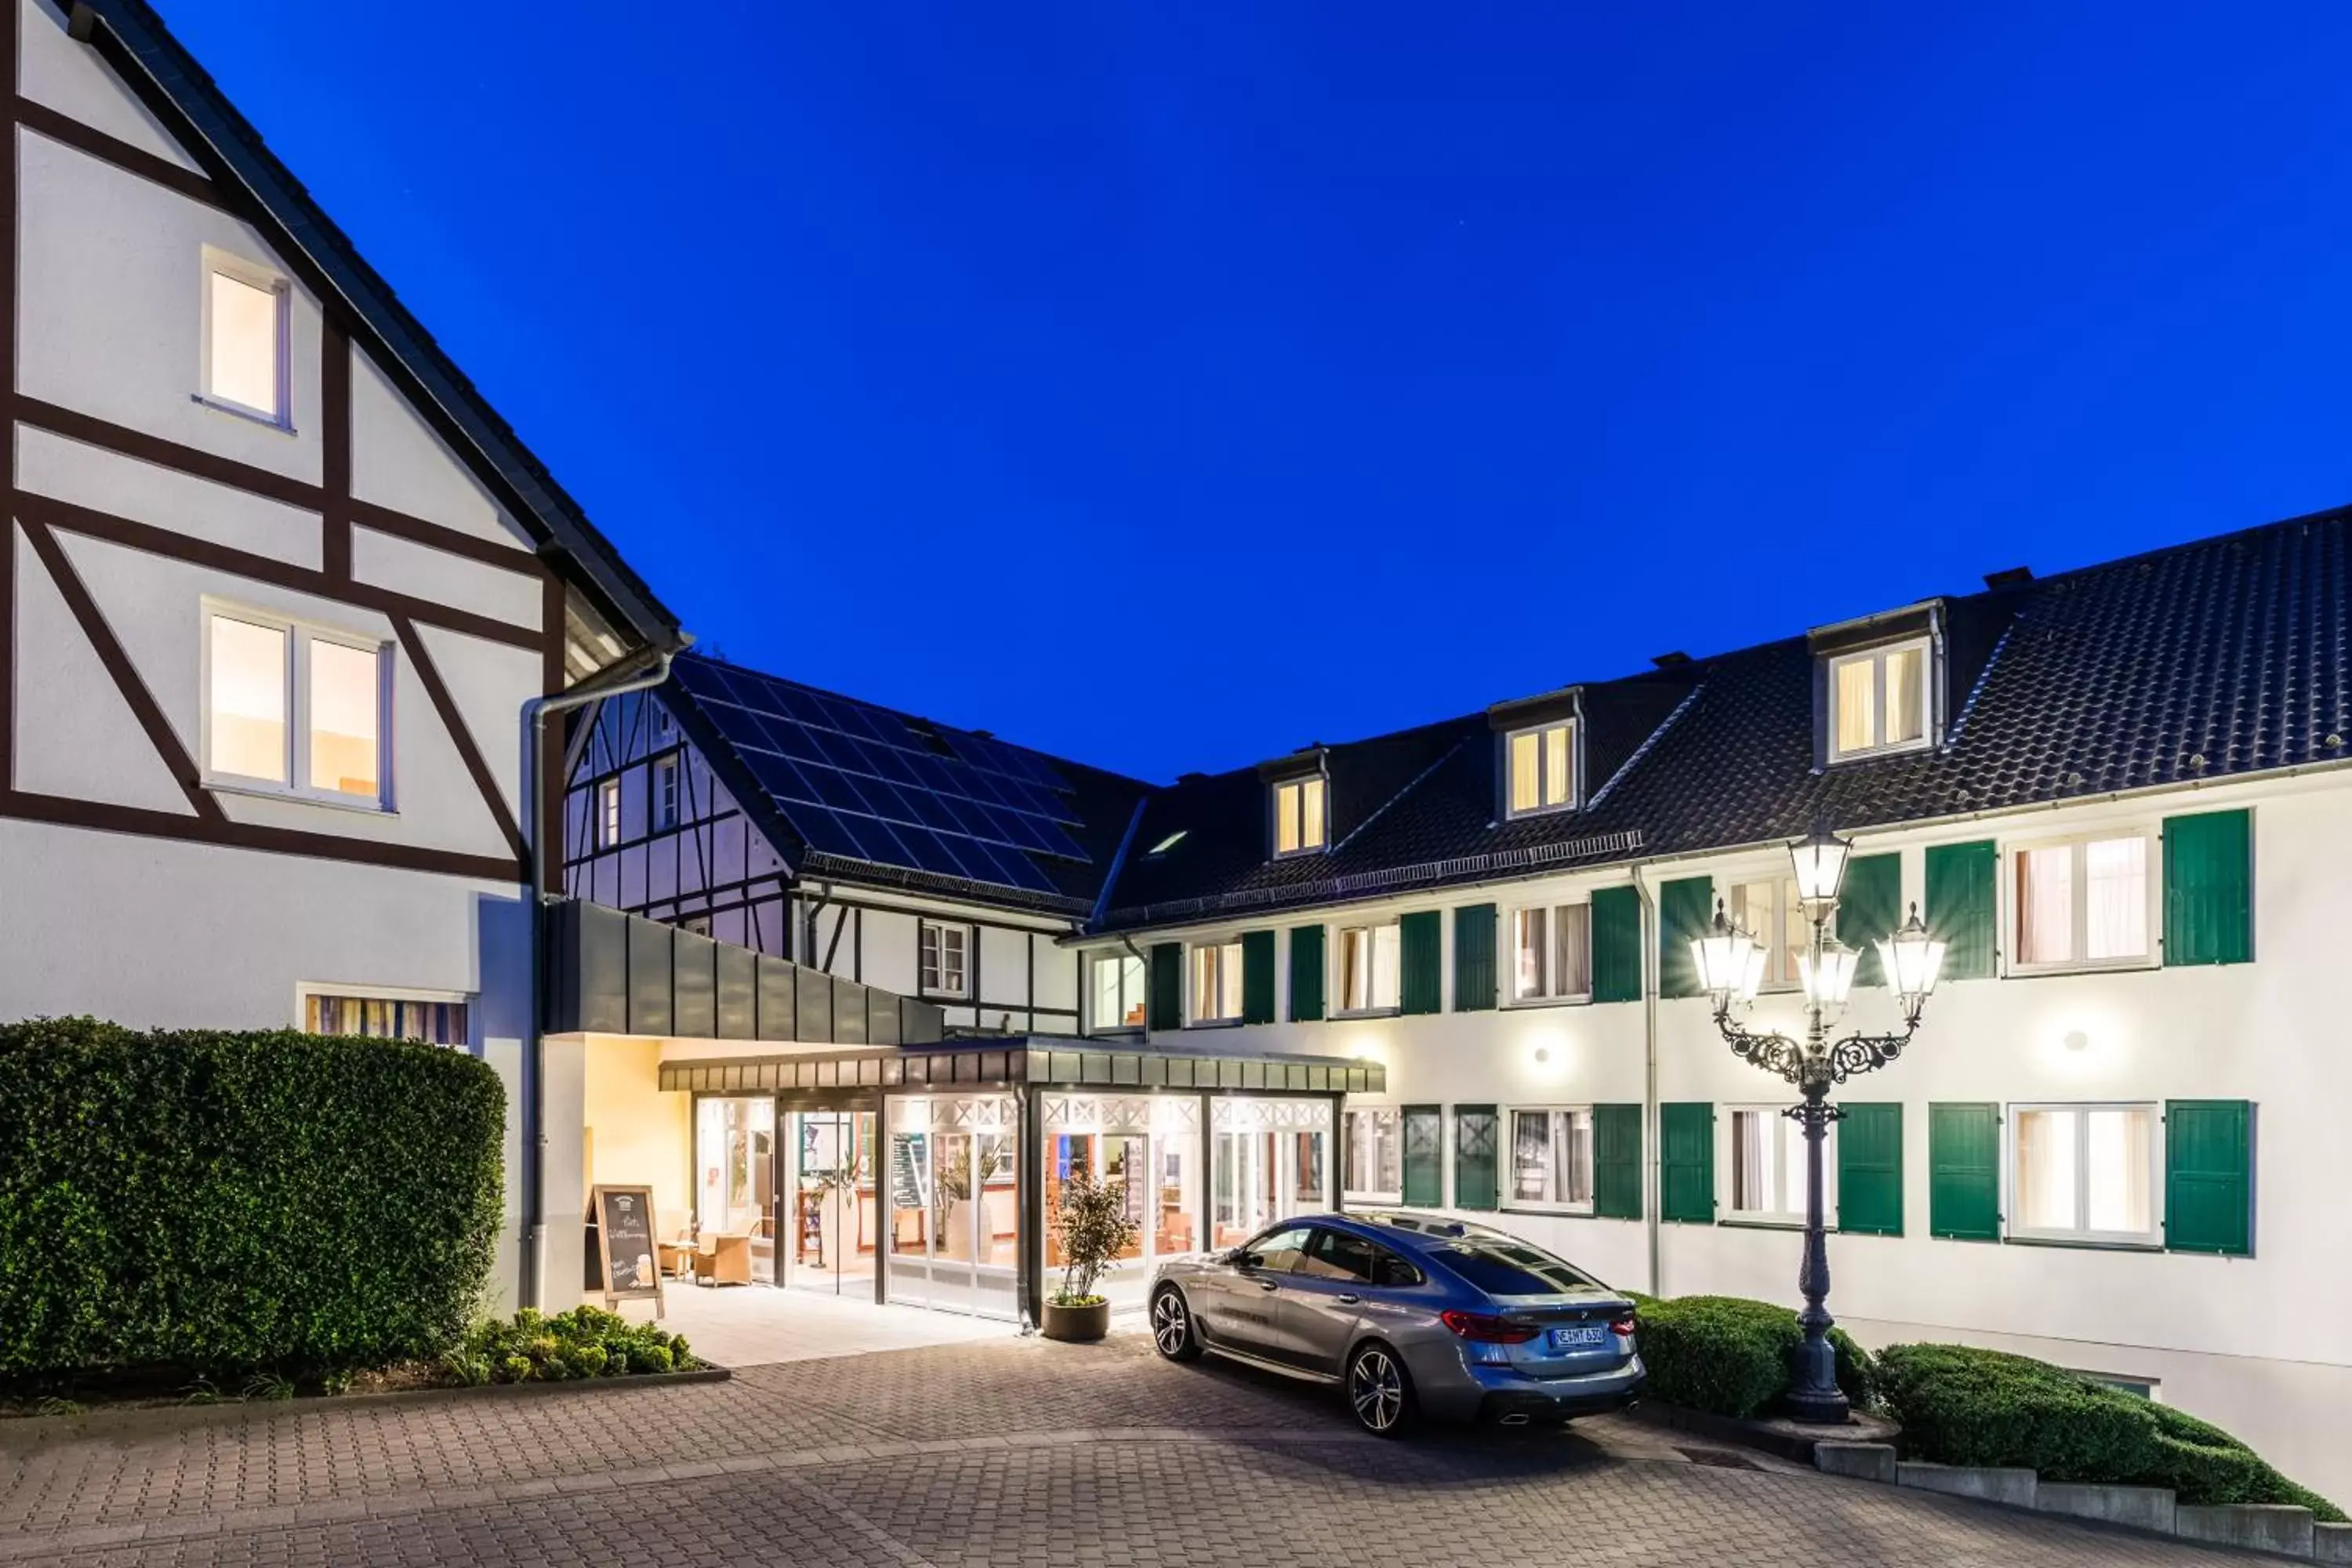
[1878, 700]
[1299, 825]
[1542, 763]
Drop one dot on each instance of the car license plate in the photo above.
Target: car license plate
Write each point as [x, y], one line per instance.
[1578, 1337]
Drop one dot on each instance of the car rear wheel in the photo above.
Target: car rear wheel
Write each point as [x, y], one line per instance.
[1380, 1390]
[1172, 1333]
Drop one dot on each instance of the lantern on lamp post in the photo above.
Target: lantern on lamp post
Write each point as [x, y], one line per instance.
[1730, 965]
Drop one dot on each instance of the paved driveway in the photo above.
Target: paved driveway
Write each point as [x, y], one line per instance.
[1005, 1451]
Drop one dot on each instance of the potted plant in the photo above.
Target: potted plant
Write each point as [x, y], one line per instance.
[1093, 1226]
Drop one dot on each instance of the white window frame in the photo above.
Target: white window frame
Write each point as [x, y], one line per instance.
[1337, 984]
[2012, 905]
[269, 280]
[1878, 655]
[1143, 976]
[607, 807]
[299, 634]
[306, 989]
[1395, 1114]
[665, 774]
[1543, 807]
[1787, 1145]
[2012, 1126]
[934, 974]
[1787, 928]
[1228, 952]
[1313, 828]
[1508, 1158]
[1549, 996]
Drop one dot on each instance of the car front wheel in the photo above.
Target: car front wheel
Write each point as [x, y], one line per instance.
[1380, 1390]
[1172, 1333]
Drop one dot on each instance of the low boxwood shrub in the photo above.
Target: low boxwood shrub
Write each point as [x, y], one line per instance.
[1960, 1405]
[585, 1343]
[206, 1202]
[1733, 1356]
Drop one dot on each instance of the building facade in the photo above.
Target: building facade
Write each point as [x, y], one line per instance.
[278, 589]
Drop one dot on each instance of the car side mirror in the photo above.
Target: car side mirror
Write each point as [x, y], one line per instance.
[1245, 1258]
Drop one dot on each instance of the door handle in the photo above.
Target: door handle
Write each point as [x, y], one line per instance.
[1349, 1300]
[1269, 1285]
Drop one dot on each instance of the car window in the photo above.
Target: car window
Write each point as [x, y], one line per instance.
[1277, 1250]
[1336, 1255]
[1512, 1268]
[1390, 1269]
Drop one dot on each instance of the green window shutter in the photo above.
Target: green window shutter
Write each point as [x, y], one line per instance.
[1684, 908]
[1257, 977]
[1960, 882]
[1686, 1163]
[1421, 988]
[1616, 944]
[1474, 959]
[1964, 1172]
[1870, 906]
[1306, 973]
[1474, 1134]
[1165, 1009]
[1424, 1156]
[1617, 1161]
[1870, 1170]
[2209, 1176]
[2209, 884]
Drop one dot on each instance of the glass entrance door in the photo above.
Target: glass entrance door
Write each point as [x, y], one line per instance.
[950, 1179]
[1273, 1162]
[834, 1229]
[1148, 1145]
[734, 1195]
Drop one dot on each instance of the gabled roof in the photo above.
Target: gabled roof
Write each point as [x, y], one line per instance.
[2204, 661]
[134, 41]
[849, 789]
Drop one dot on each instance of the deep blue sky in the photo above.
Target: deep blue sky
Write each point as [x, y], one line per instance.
[1173, 386]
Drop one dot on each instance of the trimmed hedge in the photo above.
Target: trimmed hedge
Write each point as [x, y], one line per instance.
[214, 1203]
[1732, 1356]
[1958, 1405]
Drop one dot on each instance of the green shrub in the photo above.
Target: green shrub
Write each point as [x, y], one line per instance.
[1959, 1405]
[1733, 1356]
[586, 1342]
[227, 1203]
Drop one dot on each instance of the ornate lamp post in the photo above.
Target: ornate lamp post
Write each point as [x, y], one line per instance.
[1730, 966]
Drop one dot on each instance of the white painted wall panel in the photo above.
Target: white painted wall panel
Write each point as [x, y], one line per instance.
[53, 69]
[90, 476]
[1004, 969]
[889, 957]
[398, 462]
[489, 682]
[423, 572]
[110, 281]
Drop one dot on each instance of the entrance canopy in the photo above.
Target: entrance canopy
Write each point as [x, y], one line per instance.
[1027, 1060]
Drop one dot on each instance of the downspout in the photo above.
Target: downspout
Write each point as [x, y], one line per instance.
[528, 1286]
[1652, 1191]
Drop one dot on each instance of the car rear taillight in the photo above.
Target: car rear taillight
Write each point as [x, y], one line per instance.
[1624, 1325]
[1486, 1328]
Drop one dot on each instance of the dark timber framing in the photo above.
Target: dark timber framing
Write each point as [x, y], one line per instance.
[144, 64]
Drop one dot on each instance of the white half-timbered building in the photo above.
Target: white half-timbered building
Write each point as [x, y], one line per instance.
[279, 587]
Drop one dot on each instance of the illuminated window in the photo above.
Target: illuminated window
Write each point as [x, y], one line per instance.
[1768, 910]
[245, 332]
[1554, 947]
[664, 793]
[1542, 769]
[434, 1023]
[1217, 983]
[2086, 903]
[2085, 1173]
[1878, 700]
[946, 967]
[1118, 992]
[1298, 816]
[608, 814]
[1551, 1158]
[1374, 1170]
[295, 708]
[1369, 957]
[1767, 1165]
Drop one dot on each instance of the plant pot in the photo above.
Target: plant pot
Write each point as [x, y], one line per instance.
[1076, 1325]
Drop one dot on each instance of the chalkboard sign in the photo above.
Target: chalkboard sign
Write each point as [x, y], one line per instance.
[906, 1170]
[621, 1222]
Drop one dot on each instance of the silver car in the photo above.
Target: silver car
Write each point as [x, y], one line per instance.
[1411, 1314]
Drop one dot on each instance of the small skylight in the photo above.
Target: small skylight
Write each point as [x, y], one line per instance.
[1169, 842]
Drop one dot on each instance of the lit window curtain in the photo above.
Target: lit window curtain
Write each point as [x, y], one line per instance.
[1229, 980]
[1857, 713]
[1556, 769]
[1572, 959]
[1531, 1156]
[1527, 937]
[1906, 695]
[1525, 769]
[1747, 1161]
[1354, 985]
[1108, 1008]
[2119, 1198]
[2046, 1169]
[1390, 1162]
[1310, 811]
[1577, 1165]
[1386, 956]
[1204, 983]
[2115, 877]
[2045, 905]
[1285, 819]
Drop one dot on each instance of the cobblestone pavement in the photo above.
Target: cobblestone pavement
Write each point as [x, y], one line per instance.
[1011, 1452]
